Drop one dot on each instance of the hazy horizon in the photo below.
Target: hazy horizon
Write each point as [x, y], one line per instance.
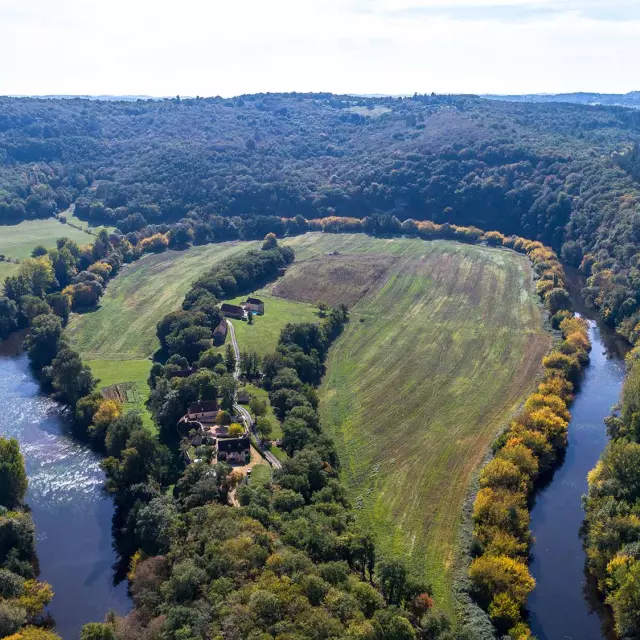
[391, 47]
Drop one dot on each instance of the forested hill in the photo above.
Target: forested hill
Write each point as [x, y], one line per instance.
[561, 173]
[631, 99]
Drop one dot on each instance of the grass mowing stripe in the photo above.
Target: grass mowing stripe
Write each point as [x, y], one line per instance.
[425, 375]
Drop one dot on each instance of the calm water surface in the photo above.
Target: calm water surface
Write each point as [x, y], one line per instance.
[560, 605]
[71, 513]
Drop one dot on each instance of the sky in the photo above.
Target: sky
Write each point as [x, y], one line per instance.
[231, 47]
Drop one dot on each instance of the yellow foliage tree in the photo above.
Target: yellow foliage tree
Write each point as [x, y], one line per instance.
[108, 411]
[538, 400]
[236, 430]
[504, 612]
[40, 272]
[492, 575]
[551, 425]
[501, 473]
[501, 543]
[33, 633]
[535, 441]
[499, 507]
[35, 596]
[522, 458]
[556, 385]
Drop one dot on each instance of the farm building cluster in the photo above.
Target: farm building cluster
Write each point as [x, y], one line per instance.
[237, 312]
[203, 421]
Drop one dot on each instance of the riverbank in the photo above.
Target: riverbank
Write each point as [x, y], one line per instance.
[71, 512]
[562, 605]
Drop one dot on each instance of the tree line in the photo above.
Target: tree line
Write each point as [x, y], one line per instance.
[22, 596]
[559, 173]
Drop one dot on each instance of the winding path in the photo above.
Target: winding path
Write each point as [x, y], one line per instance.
[248, 420]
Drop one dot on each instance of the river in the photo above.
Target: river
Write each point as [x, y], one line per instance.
[562, 604]
[71, 512]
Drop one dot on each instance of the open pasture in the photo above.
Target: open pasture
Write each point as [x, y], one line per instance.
[263, 334]
[17, 241]
[124, 325]
[432, 364]
[117, 339]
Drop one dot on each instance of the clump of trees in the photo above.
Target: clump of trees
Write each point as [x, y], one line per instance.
[22, 596]
[612, 526]
[523, 454]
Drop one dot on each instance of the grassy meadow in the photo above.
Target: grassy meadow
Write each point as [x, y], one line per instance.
[436, 357]
[262, 336]
[118, 338]
[18, 240]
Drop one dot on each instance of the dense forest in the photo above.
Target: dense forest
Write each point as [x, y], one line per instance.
[559, 173]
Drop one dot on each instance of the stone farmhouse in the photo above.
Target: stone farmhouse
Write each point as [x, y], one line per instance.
[234, 450]
[207, 410]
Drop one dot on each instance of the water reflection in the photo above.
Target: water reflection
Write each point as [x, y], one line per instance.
[562, 606]
[71, 513]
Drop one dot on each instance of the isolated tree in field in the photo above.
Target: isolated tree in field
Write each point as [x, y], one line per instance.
[250, 318]
[270, 242]
[39, 251]
[13, 477]
[230, 358]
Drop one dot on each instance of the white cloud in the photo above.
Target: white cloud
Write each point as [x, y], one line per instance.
[376, 46]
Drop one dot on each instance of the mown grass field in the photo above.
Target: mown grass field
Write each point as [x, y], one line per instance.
[111, 372]
[262, 336]
[118, 338]
[17, 241]
[432, 364]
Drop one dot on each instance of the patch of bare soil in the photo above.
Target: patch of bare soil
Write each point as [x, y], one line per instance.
[335, 278]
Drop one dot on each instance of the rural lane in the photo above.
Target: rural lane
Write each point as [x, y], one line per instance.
[271, 459]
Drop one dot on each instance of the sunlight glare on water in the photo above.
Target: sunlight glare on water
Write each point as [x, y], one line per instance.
[71, 512]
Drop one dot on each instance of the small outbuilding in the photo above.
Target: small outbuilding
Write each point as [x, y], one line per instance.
[236, 450]
[232, 311]
[220, 333]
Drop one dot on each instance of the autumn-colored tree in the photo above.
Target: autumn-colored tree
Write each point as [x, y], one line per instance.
[501, 474]
[493, 575]
[537, 400]
[35, 597]
[551, 425]
[236, 430]
[223, 417]
[108, 411]
[504, 612]
[504, 509]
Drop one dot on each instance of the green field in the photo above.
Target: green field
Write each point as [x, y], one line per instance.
[262, 336]
[436, 357]
[124, 326]
[110, 372]
[118, 338]
[83, 223]
[18, 240]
